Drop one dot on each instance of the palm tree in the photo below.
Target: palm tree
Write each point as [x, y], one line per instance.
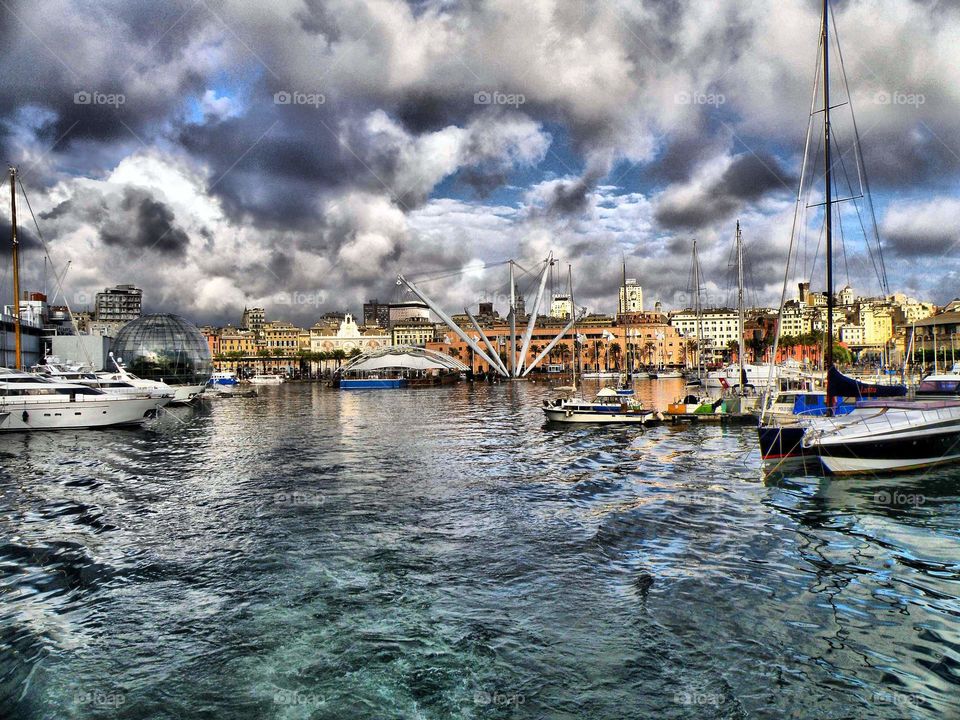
[690, 347]
[322, 358]
[338, 355]
[614, 352]
[649, 348]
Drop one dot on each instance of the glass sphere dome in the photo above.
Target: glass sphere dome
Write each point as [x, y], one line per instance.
[164, 347]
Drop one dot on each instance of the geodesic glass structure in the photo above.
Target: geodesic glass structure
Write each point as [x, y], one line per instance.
[164, 347]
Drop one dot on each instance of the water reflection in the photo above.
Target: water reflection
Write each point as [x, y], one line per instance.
[441, 553]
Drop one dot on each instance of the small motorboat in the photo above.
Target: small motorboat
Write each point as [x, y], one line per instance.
[609, 406]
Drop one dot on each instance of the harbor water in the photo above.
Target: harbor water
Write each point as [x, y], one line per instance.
[440, 553]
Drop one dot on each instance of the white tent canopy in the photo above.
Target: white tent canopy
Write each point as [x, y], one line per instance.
[403, 357]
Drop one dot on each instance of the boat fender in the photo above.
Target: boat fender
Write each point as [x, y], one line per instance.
[568, 413]
[25, 416]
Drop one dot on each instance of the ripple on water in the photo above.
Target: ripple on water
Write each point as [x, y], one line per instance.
[442, 554]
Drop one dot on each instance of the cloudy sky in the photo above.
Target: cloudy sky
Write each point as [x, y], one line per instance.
[298, 154]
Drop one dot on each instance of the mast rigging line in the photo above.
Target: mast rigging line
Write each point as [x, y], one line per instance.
[60, 290]
[861, 166]
[793, 230]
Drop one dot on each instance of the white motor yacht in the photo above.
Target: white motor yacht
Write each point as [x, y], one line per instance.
[111, 383]
[32, 402]
[267, 380]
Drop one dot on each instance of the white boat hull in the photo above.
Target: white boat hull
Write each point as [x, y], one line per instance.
[88, 411]
[878, 438]
[559, 415]
[183, 394]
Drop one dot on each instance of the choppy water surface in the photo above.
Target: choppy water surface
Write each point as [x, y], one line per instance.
[440, 554]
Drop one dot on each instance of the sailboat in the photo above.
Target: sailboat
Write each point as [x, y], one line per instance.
[695, 400]
[31, 402]
[610, 405]
[885, 433]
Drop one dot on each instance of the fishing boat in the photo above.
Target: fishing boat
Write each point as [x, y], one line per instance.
[885, 432]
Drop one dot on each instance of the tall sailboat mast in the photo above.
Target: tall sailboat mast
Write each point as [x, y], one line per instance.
[626, 327]
[740, 323]
[698, 308]
[576, 331]
[513, 324]
[17, 349]
[827, 192]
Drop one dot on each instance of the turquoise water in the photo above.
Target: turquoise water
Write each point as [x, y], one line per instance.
[441, 554]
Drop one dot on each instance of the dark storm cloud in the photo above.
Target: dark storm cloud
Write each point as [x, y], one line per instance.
[893, 158]
[282, 170]
[569, 198]
[316, 19]
[270, 165]
[753, 175]
[684, 150]
[482, 183]
[88, 82]
[923, 241]
[426, 111]
[748, 178]
[27, 238]
[147, 224]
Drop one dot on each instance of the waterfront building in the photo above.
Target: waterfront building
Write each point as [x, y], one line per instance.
[31, 346]
[561, 307]
[280, 338]
[941, 331]
[877, 324]
[33, 308]
[797, 319]
[716, 327]
[104, 329]
[400, 312]
[212, 335]
[653, 342]
[347, 338]
[238, 342]
[119, 304]
[376, 314]
[90, 350]
[631, 297]
[846, 296]
[415, 331]
[908, 310]
[253, 319]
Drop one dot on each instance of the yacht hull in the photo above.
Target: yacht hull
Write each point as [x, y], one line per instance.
[886, 437]
[185, 393]
[83, 413]
[910, 453]
[780, 441]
